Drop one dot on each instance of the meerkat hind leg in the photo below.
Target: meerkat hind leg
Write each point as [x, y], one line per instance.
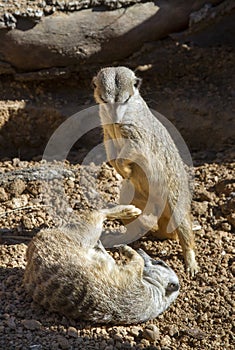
[185, 235]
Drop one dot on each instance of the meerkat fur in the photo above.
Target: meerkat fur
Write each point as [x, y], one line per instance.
[142, 151]
[69, 271]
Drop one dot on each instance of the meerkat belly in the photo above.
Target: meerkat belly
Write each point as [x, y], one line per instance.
[117, 137]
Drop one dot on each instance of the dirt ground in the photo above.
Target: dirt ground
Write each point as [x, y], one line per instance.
[201, 317]
[200, 80]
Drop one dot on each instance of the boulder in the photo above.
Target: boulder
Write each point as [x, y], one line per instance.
[89, 36]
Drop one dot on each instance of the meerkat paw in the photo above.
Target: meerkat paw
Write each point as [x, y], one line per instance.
[126, 250]
[122, 212]
[129, 211]
[191, 264]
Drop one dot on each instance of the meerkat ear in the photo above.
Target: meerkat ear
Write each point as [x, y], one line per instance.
[137, 82]
[94, 82]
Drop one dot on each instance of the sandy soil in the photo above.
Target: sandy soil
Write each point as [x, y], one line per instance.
[201, 317]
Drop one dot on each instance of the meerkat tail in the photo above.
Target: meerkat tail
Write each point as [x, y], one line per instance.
[121, 212]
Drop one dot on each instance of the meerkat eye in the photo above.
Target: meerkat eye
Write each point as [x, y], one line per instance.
[127, 99]
[102, 99]
[172, 287]
[159, 263]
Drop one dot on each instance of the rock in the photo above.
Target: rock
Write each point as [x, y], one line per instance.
[225, 186]
[19, 202]
[165, 341]
[11, 323]
[128, 28]
[151, 333]
[63, 342]
[204, 195]
[72, 332]
[173, 330]
[225, 226]
[231, 219]
[3, 195]
[17, 187]
[31, 324]
[195, 333]
[200, 208]
[35, 347]
[134, 331]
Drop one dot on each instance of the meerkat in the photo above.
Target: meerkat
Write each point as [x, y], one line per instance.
[142, 151]
[69, 271]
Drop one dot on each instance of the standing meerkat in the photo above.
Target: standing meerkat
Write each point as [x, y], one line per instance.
[142, 151]
[69, 271]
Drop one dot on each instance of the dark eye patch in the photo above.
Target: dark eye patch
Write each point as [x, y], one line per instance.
[158, 262]
[127, 99]
[103, 100]
[172, 287]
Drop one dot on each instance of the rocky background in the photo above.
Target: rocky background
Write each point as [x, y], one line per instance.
[49, 52]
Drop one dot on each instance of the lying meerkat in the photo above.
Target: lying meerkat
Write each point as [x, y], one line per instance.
[142, 151]
[69, 271]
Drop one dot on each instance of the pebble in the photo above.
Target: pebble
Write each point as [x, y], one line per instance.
[63, 342]
[173, 330]
[72, 332]
[19, 202]
[11, 323]
[134, 331]
[226, 226]
[3, 195]
[17, 187]
[31, 324]
[151, 333]
[165, 341]
[200, 207]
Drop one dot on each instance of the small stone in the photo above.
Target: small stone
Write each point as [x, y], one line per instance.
[200, 208]
[31, 324]
[225, 226]
[118, 337]
[134, 331]
[109, 347]
[19, 202]
[166, 341]
[63, 342]
[70, 183]
[72, 332]
[204, 195]
[173, 330]
[11, 323]
[17, 187]
[3, 195]
[145, 342]
[151, 333]
[231, 219]
[27, 223]
[196, 333]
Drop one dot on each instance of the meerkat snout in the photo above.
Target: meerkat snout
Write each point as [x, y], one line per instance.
[157, 271]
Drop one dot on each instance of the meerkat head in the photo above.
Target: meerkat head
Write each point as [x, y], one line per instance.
[158, 273]
[114, 87]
